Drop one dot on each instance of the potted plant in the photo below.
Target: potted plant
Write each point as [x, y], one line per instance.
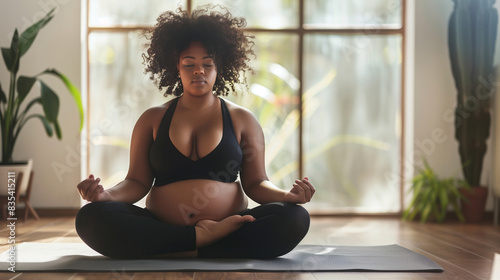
[13, 115]
[472, 32]
[432, 196]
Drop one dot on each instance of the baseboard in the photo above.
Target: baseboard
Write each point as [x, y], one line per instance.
[450, 216]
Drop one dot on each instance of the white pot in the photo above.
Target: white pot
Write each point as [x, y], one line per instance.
[6, 171]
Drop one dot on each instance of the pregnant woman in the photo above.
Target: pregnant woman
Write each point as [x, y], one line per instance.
[197, 158]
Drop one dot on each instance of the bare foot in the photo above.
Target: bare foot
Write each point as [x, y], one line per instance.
[208, 231]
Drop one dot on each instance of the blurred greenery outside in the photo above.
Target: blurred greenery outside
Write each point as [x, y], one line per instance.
[351, 94]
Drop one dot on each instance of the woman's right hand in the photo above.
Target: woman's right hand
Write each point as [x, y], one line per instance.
[92, 191]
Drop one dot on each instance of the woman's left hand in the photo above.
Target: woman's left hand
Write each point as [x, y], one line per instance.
[301, 192]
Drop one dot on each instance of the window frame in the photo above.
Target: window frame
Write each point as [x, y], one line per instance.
[301, 31]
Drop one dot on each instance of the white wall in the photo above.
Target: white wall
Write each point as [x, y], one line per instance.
[435, 91]
[58, 46]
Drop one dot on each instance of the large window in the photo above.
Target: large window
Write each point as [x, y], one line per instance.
[327, 90]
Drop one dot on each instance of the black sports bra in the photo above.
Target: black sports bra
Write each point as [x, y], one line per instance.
[170, 165]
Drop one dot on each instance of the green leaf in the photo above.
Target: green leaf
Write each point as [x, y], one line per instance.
[28, 107]
[24, 85]
[33, 102]
[7, 58]
[413, 202]
[58, 130]
[458, 210]
[46, 125]
[50, 103]
[29, 35]
[11, 55]
[3, 97]
[417, 188]
[425, 213]
[406, 213]
[73, 91]
[443, 197]
[412, 215]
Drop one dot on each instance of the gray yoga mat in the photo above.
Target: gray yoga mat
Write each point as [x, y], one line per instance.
[79, 257]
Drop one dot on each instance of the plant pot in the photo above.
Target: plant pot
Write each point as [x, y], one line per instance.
[473, 209]
[16, 168]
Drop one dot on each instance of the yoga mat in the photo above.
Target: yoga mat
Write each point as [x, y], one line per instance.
[79, 257]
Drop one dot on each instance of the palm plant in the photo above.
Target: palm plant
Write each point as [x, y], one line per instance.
[12, 116]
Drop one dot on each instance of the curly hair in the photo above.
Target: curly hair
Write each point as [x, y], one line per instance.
[220, 33]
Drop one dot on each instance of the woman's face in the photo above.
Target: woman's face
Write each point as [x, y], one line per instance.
[197, 70]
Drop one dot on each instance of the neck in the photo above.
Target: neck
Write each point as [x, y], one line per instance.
[192, 102]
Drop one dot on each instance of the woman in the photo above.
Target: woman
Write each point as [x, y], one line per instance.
[188, 153]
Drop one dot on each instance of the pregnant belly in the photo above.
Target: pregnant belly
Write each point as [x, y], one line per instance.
[187, 202]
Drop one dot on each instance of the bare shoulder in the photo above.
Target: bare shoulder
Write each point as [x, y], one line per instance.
[240, 115]
[154, 114]
[244, 121]
[151, 118]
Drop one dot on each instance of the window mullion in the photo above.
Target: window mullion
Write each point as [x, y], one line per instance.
[301, 89]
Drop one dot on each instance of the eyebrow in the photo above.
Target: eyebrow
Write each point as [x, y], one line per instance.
[194, 57]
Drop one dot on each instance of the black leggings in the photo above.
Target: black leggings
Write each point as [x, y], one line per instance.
[122, 230]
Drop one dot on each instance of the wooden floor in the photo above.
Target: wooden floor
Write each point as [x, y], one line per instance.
[465, 251]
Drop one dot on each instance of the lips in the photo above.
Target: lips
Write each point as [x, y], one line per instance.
[198, 81]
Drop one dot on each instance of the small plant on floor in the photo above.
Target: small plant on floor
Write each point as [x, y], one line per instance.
[432, 196]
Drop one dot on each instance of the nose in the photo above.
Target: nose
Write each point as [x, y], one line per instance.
[198, 70]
